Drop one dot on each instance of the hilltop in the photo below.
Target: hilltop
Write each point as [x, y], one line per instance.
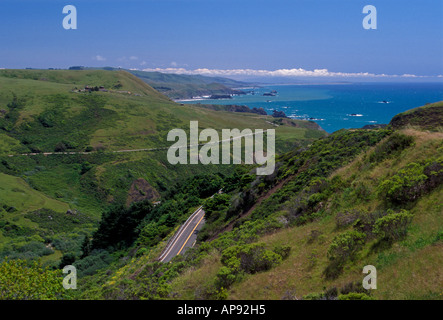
[429, 117]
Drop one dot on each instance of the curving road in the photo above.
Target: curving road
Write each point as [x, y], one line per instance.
[185, 236]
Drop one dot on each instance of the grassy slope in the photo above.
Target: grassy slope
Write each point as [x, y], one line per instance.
[114, 120]
[17, 193]
[121, 120]
[410, 269]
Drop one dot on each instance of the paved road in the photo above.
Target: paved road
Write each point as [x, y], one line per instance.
[185, 236]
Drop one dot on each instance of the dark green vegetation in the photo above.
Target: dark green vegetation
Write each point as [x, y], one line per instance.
[72, 188]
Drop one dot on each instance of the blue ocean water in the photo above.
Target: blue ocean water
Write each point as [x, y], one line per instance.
[337, 106]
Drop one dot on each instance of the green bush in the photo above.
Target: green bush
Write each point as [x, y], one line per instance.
[393, 226]
[225, 277]
[313, 296]
[249, 258]
[96, 260]
[407, 185]
[355, 296]
[345, 245]
[282, 251]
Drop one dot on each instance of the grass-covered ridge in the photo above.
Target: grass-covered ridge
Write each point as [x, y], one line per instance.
[429, 117]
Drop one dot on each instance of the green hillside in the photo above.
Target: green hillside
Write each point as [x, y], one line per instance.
[334, 204]
[354, 198]
[68, 139]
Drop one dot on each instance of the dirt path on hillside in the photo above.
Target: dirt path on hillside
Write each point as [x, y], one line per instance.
[135, 150]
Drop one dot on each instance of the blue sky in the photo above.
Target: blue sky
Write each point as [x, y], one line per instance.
[227, 37]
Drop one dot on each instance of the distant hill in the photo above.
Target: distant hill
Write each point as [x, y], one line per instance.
[181, 86]
[178, 86]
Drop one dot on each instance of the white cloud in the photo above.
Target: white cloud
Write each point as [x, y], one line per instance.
[174, 64]
[275, 73]
[143, 63]
[99, 58]
[133, 58]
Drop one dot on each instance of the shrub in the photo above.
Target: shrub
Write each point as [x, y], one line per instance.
[47, 118]
[355, 296]
[365, 223]
[407, 185]
[67, 259]
[344, 246]
[60, 147]
[250, 258]
[434, 172]
[393, 226]
[282, 251]
[98, 259]
[225, 277]
[313, 296]
[312, 259]
[353, 287]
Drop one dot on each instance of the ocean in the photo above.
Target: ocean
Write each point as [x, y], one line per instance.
[338, 106]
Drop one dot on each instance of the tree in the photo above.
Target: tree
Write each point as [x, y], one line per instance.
[119, 225]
